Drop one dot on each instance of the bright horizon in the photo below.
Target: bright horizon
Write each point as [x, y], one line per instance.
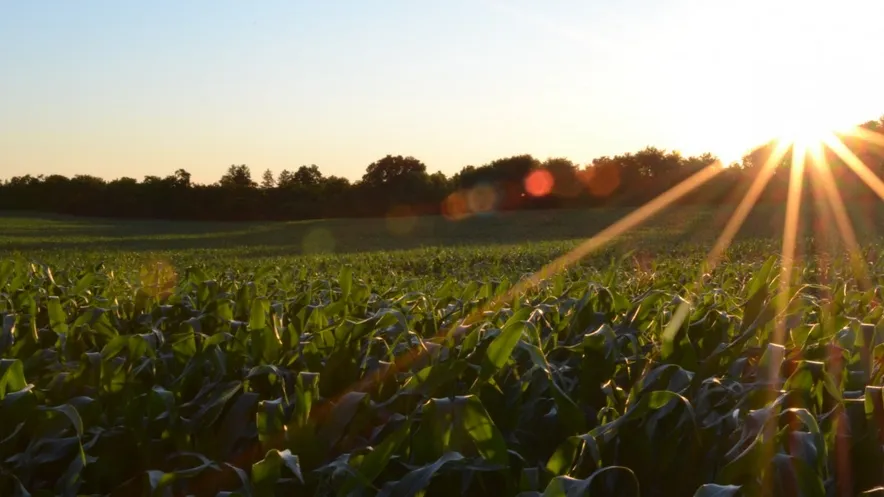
[132, 89]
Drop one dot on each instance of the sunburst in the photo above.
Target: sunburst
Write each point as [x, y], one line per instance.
[803, 136]
[805, 139]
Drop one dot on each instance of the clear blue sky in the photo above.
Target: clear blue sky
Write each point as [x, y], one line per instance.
[124, 88]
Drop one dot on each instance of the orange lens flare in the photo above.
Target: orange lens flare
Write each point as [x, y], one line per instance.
[601, 180]
[625, 224]
[455, 207]
[539, 183]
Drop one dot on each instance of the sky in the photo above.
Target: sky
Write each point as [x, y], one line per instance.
[112, 88]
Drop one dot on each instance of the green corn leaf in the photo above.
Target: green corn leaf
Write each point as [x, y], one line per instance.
[713, 490]
[57, 317]
[267, 472]
[501, 348]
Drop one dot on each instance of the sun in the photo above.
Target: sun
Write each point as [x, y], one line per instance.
[808, 133]
[804, 133]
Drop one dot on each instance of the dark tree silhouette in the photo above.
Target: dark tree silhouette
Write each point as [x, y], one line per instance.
[267, 180]
[397, 184]
[182, 178]
[308, 176]
[392, 170]
[238, 177]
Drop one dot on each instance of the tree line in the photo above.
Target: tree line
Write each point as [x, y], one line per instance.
[402, 185]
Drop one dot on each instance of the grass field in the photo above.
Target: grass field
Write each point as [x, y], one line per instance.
[392, 357]
[512, 242]
[428, 247]
[40, 233]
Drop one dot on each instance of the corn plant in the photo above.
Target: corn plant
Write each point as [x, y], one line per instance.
[340, 377]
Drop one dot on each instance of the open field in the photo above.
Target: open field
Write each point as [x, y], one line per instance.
[41, 233]
[516, 242]
[391, 357]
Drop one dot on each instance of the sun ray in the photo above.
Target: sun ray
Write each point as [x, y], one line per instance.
[776, 345]
[855, 164]
[730, 230]
[625, 224]
[823, 225]
[826, 181]
[868, 136]
[790, 236]
[745, 206]
[831, 206]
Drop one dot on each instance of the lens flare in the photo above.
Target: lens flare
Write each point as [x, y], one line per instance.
[158, 278]
[539, 183]
[626, 223]
[455, 207]
[401, 220]
[481, 199]
[601, 180]
[318, 241]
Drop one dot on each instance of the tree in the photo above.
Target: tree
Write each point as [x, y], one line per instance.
[564, 175]
[507, 176]
[307, 176]
[182, 178]
[238, 177]
[459, 178]
[392, 169]
[394, 182]
[336, 184]
[874, 126]
[391, 182]
[124, 182]
[286, 179]
[510, 171]
[303, 177]
[267, 181]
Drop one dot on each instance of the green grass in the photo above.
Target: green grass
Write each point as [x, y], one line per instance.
[506, 244]
[409, 242]
[322, 236]
[160, 358]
